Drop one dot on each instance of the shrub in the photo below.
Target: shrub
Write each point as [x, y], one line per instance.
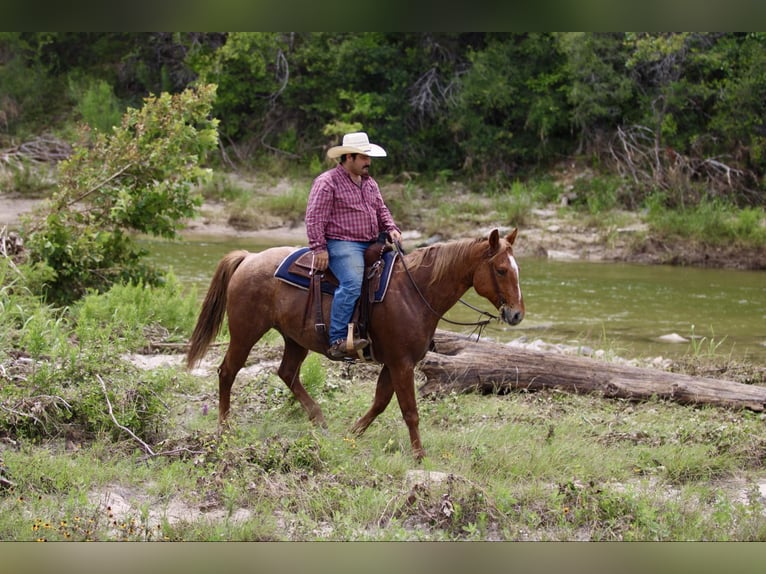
[139, 178]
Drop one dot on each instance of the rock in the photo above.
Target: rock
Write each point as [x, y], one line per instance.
[672, 338]
[425, 477]
[562, 255]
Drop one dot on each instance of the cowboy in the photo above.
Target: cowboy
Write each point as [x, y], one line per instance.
[344, 215]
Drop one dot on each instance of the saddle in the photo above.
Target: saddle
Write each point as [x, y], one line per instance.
[298, 270]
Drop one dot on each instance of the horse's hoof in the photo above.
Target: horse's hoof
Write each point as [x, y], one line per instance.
[358, 428]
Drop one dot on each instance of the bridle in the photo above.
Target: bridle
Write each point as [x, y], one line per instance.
[478, 324]
[495, 283]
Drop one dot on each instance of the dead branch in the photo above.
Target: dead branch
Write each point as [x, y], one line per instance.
[145, 446]
[43, 149]
[98, 186]
[636, 155]
[147, 449]
[21, 414]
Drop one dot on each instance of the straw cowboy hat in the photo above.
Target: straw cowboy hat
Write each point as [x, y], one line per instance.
[356, 142]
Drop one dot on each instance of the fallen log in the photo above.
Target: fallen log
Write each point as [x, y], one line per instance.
[457, 364]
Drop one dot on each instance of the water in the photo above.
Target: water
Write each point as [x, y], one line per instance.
[627, 308]
[622, 308]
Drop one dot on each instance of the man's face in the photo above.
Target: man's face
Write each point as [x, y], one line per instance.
[359, 164]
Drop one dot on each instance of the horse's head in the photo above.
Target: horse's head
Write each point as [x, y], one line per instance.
[498, 280]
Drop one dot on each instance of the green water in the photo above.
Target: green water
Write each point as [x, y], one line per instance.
[621, 308]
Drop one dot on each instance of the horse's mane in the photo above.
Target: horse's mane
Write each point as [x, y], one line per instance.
[439, 256]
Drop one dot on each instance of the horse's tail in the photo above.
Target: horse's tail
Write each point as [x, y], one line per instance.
[213, 307]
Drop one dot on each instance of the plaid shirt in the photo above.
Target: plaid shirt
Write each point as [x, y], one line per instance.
[338, 209]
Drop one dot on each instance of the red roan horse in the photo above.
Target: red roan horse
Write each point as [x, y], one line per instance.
[400, 327]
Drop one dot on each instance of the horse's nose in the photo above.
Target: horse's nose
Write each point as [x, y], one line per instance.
[511, 316]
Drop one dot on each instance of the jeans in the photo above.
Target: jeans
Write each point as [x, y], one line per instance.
[347, 264]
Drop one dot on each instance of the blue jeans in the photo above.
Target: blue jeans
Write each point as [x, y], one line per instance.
[347, 264]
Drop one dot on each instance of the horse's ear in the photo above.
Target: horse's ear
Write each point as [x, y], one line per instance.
[511, 237]
[494, 241]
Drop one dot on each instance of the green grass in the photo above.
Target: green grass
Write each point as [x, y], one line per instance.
[521, 466]
[537, 466]
[712, 221]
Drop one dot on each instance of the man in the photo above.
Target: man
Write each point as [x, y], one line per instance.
[344, 215]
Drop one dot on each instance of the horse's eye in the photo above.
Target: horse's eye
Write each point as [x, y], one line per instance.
[501, 272]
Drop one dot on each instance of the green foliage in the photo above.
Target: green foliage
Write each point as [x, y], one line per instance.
[738, 112]
[129, 314]
[515, 206]
[26, 178]
[471, 104]
[30, 94]
[290, 205]
[138, 178]
[599, 89]
[240, 69]
[712, 221]
[95, 103]
[74, 360]
[313, 374]
[597, 195]
[511, 105]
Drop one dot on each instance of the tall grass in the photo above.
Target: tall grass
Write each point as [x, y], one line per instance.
[60, 365]
[521, 466]
[712, 221]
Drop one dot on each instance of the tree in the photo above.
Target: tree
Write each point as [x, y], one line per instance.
[512, 110]
[456, 364]
[738, 114]
[598, 89]
[139, 179]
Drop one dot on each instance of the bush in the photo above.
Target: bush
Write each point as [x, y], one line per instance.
[58, 365]
[713, 221]
[139, 178]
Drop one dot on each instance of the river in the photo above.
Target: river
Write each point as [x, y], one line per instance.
[628, 310]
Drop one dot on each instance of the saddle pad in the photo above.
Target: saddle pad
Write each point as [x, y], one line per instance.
[296, 272]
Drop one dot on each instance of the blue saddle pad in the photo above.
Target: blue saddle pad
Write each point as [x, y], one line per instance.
[294, 269]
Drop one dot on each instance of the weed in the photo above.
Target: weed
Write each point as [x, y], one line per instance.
[704, 347]
[290, 206]
[313, 374]
[522, 466]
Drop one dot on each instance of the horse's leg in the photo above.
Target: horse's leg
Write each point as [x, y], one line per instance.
[289, 371]
[383, 393]
[233, 361]
[401, 381]
[242, 340]
[404, 385]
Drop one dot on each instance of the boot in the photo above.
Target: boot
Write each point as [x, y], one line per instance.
[340, 349]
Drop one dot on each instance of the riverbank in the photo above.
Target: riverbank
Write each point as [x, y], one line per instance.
[547, 232]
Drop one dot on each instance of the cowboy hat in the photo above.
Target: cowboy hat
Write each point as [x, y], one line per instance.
[356, 142]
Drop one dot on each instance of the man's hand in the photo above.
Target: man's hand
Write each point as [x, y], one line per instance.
[321, 260]
[395, 236]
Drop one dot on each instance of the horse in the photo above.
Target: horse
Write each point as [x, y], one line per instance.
[425, 283]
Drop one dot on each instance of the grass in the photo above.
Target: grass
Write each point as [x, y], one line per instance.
[713, 221]
[521, 466]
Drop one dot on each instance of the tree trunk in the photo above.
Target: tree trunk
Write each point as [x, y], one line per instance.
[458, 364]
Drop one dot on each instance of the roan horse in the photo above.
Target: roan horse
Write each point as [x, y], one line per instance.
[400, 328]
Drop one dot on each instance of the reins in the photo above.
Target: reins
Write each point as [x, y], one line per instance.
[479, 324]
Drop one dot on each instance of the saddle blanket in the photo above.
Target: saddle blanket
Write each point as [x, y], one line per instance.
[295, 268]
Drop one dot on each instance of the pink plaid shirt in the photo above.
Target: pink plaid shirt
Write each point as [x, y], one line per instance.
[338, 209]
